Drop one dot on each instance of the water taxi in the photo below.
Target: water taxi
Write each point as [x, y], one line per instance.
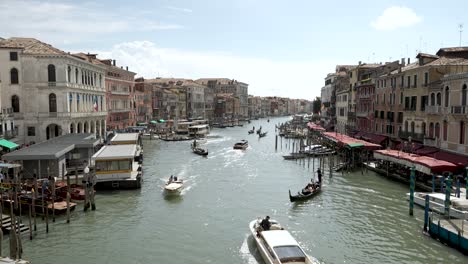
[199, 131]
[118, 167]
[174, 185]
[243, 144]
[277, 245]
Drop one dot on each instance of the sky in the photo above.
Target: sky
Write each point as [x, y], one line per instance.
[280, 48]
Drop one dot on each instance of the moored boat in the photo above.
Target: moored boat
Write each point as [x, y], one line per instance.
[243, 144]
[276, 245]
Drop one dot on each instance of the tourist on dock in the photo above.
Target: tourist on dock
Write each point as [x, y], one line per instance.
[265, 224]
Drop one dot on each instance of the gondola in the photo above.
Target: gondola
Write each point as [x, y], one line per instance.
[200, 151]
[251, 132]
[301, 196]
[262, 134]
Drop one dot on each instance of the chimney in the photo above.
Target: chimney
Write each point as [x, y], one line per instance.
[359, 63]
[408, 60]
[113, 62]
[402, 61]
[126, 68]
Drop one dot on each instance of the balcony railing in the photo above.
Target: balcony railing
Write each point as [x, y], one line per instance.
[459, 110]
[435, 110]
[69, 114]
[414, 136]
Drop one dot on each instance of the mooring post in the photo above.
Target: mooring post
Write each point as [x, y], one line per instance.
[458, 187]
[442, 183]
[276, 142]
[412, 183]
[433, 182]
[448, 187]
[68, 198]
[426, 213]
[35, 190]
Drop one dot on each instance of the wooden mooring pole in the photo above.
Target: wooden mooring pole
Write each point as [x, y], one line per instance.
[412, 183]
[426, 213]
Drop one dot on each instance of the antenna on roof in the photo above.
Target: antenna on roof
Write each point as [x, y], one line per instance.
[460, 28]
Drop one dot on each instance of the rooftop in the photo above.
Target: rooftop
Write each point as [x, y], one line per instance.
[31, 46]
[116, 152]
[125, 137]
[54, 148]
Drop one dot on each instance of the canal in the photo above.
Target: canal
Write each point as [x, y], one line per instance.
[358, 218]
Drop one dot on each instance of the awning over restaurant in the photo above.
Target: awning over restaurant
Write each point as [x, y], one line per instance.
[425, 151]
[423, 164]
[349, 141]
[8, 144]
[459, 160]
[315, 127]
[374, 138]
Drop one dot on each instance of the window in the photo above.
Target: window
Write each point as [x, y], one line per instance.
[423, 102]
[377, 99]
[76, 75]
[426, 78]
[431, 130]
[437, 130]
[415, 81]
[69, 74]
[51, 73]
[14, 76]
[462, 132]
[402, 82]
[407, 103]
[52, 103]
[445, 130]
[414, 101]
[400, 117]
[432, 99]
[423, 128]
[15, 103]
[406, 126]
[401, 98]
[463, 95]
[439, 99]
[31, 131]
[385, 83]
[408, 83]
[13, 55]
[412, 127]
[446, 96]
[382, 114]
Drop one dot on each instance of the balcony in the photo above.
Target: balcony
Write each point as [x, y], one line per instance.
[67, 115]
[9, 134]
[120, 92]
[459, 110]
[434, 110]
[414, 136]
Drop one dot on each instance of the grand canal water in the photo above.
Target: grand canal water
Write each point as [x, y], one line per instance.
[358, 217]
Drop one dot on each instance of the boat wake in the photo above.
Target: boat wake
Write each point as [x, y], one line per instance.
[245, 252]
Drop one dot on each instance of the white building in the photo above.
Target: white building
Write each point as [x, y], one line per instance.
[50, 92]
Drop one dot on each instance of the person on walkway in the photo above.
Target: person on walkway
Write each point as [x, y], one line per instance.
[265, 224]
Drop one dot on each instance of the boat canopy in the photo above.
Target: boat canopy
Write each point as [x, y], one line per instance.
[423, 164]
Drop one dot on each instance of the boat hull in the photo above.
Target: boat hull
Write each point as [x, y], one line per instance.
[123, 184]
[302, 197]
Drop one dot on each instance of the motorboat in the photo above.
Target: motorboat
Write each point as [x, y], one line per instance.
[458, 206]
[174, 185]
[243, 144]
[277, 245]
[200, 151]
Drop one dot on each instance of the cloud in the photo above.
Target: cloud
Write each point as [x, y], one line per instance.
[185, 10]
[265, 77]
[396, 17]
[77, 22]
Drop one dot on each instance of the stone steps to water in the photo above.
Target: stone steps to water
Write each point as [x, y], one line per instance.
[7, 225]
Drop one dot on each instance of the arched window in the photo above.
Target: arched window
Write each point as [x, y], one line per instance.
[77, 102]
[15, 103]
[69, 74]
[423, 128]
[406, 126]
[76, 75]
[439, 99]
[444, 130]
[437, 130]
[463, 95]
[462, 132]
[52, 103]
[412, 127]
[446, 104]
[432, 99]
[100, 80]
[51, 73]
[82, 78]
[431, 130]
[14, 76]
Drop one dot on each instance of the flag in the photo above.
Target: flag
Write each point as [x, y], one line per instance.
[95, 105]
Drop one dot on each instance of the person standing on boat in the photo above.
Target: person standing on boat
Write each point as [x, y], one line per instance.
[171, 178]
[319, 174]
[265, 224]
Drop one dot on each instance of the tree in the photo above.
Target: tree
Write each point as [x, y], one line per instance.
[316, 105]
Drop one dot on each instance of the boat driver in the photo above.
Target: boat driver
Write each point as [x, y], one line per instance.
[265, 224]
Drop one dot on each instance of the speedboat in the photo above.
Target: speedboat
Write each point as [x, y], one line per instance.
[174, 186]
[243, 144]
[277, 245]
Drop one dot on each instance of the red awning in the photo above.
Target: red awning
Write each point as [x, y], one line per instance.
[460, 160]
[425, 151]
[374, 138]
[346, 140]
[359, 134]
[315, 127]
[423, 164]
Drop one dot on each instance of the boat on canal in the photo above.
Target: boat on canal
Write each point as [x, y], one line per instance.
[118, 167]
[200, 151]
[294, 156]
[174, 185]
[306, 193]
[262, 134]
[277, 245]
[243, 144]
[251, 131]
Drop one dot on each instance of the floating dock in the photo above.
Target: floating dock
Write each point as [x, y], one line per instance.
[453, 232]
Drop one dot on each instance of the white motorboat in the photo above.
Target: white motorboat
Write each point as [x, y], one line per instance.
[277, 245]
[174, 186]
[458, 206]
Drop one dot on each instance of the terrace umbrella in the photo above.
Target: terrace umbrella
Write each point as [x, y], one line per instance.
[153, 122]
[162, 121]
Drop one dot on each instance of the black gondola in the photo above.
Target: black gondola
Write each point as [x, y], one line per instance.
[262, 134]
[302, 195]
[200, 151]
[251, 132]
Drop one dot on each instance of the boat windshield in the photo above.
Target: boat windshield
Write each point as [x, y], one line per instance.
[290, 254]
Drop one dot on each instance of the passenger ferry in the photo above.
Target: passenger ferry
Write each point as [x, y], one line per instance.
[118, 167]
[199, 131]
[277, 245]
